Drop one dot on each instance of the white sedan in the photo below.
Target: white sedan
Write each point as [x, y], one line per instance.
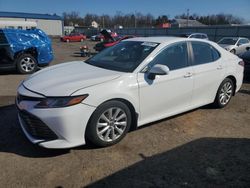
[236, 45]
[135, 82]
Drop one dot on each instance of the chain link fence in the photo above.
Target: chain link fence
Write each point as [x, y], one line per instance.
[214, 33]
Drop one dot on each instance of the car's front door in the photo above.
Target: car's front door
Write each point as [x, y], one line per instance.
[169, 94]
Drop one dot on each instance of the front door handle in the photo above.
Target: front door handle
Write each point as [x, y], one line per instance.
[188, 75]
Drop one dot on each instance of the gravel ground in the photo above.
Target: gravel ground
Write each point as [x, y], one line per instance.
[205, 147]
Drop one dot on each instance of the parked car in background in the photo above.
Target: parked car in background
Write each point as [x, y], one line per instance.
[236, 45]
[246, 58]
[195, 35]
[109, 40]
[74, 37]
[135, 82]
[98, 37]
[101, 37]
[24, 50]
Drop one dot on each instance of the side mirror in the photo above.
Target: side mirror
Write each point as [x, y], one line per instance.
[158, 70]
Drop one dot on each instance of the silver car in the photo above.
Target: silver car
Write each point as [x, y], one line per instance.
[236, 45]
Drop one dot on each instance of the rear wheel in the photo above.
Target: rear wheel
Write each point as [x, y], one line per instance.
[26, 64]
[224, 93]
[109, 123]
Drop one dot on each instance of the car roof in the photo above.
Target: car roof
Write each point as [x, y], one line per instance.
[156, 39]
[165, 40]
[234, 38]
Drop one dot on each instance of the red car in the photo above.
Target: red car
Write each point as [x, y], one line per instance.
[74, 37]
[109, 40]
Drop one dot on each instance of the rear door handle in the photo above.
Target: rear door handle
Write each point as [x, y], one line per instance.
[188, 75]
[219, 67]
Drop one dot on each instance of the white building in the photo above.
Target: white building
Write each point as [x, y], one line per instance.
[50, 24]
[94, 24]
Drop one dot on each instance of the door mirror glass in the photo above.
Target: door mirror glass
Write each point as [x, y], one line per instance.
[158, 70]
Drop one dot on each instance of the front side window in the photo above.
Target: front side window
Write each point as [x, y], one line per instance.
[175, 56]
[194, 36]
[204, 53]
[126, 56]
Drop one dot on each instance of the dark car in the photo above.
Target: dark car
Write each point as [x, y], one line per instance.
[246, 58]
[24, 50]
[109, 40]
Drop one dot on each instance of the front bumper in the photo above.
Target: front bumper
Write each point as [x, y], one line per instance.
[67, 125]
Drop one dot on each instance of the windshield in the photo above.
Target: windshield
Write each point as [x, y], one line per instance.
[123, 57]
[229, 41]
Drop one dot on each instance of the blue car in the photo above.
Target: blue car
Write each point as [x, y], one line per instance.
[24, 50]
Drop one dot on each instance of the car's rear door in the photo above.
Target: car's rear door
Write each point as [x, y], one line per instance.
[170, 94]
[208, 70]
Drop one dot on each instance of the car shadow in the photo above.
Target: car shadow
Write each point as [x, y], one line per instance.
[8, 72]
[245, 91]
[205, 162]
[12, 139]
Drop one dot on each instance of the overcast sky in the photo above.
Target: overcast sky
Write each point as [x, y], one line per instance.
[239, 8]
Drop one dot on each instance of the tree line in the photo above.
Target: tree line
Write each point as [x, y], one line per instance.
[138, 19]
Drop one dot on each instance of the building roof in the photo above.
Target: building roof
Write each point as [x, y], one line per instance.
[192, 23]
[29, 15]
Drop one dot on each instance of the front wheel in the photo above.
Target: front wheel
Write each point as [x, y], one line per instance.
[109, 123]
[224, 93]
[26, 64]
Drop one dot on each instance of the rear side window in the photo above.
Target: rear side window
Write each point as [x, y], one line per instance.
[243, 41]
[175, 56]
[204, 53]
[204, 36]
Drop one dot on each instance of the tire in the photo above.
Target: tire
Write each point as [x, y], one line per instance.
[233, 51]
[224, 93]
[26, 64]
[109, 124]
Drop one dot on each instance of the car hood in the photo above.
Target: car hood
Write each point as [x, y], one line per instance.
[66, 78]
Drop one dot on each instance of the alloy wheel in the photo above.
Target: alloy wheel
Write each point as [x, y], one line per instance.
[27, 64]
[111, 124]
[226, 93]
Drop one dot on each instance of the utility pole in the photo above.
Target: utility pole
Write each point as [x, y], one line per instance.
[103, 22]
[135, 20]
[187, 17]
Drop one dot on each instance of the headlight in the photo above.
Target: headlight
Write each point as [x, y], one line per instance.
[58, 102]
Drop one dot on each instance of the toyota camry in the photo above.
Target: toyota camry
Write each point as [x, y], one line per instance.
[135, 82]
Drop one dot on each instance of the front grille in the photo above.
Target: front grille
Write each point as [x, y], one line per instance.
[36, 128]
